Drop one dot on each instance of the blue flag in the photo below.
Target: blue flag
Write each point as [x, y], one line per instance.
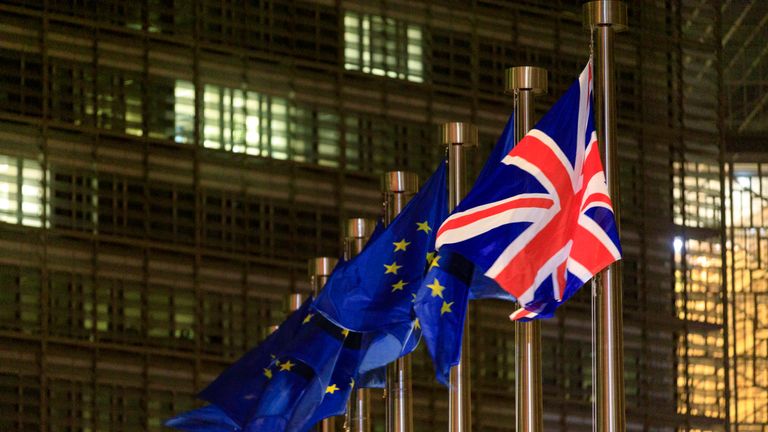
[343, 379]
[209, 418]
[375, 289]
[235, 391]
[441, 308]
[301, 377]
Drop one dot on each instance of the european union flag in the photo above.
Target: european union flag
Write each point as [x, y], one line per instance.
[235, 390]
[441, 307]
[303, 372]
[374, 292]
[209, 418]
[343, 379]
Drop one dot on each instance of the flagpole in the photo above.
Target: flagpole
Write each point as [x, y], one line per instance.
[525, 82]
[458, 136]
[604, 18]
[320, 269]
[398, 188]
[357, 232]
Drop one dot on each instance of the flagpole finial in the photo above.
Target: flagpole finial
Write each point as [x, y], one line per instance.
[359, 228]
[320, 269]
[295, 300]
[322, 266]
[605, 13]
[400, 182]
[526, 78]
[459, 133]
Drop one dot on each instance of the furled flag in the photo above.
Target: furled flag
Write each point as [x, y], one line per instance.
[541, 223]
[374, 292]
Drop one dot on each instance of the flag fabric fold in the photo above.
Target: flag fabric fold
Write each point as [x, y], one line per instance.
[234, 390]
[441, 307]
[375, 289]
[540, 222]
[209, 418]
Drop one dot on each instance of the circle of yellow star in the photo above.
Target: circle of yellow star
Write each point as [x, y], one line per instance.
[392, 268]
[401, 245]
[331, 389]
[399, 285]
[434, 262]
[424, 226]
[416, 324]
[430, 256]
[446, 308]
[268, 373]
[307, 318]
[352, 383]
[413, 300]
[437, 289]
[345, 332]
[287, 366]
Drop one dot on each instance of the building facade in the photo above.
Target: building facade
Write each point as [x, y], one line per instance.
[167, 167]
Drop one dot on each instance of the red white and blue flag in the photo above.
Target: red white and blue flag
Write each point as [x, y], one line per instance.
[540, 222]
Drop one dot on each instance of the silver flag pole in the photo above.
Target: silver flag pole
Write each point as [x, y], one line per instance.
[320, 269]
[604, 18]
[357, 233]
[525, 82]
[398, 188]
[458, 136]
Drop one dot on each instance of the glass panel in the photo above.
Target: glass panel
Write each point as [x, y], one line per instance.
[383, 46]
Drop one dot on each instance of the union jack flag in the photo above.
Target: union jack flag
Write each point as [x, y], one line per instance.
[541, 222]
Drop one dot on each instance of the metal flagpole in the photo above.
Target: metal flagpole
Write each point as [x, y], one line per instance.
[295, 300]
[458, 136]
[320, 269]
[525, 82]
[398, 187]
[604, 18]
[357, 233]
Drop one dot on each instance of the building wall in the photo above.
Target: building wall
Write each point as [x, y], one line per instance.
[168, 166]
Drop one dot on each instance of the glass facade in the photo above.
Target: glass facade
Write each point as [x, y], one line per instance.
[167, 168]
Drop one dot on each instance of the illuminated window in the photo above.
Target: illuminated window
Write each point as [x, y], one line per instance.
[383, 46]
[748, 293]
[184, 112]
[244, 121]
[21, 191]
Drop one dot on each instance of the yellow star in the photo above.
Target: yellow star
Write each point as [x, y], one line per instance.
[416, 324]
[268, 373]
[401, 245]
[430, 256]
[437, 289]
[288, 365]
[399, 286]
[424, 226]
[308, 318]
[352, 383]
[345, 332]
[331, 389]
[446, 308]
[413, 300]
[434, 262]
[392, 268]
